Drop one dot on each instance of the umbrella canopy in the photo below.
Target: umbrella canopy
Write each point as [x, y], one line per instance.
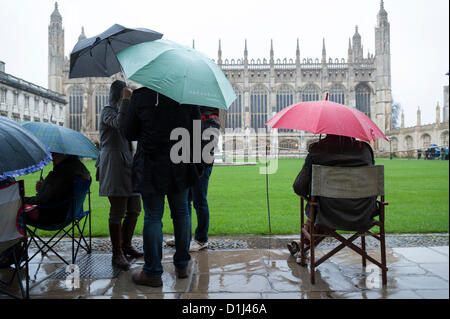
[96, 57]
[325, 117]
[21, 152]
[62, 140]
[178, 72]
[435, 146]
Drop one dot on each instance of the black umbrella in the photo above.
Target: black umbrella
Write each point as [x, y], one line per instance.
[96, 57]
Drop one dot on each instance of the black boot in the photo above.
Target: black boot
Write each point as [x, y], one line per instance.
[128, 227]
[118, 258]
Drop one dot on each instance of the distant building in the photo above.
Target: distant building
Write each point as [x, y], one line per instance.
[446, 103]
[85, 96]
[406, 141]
[263, 86]
[21, 101]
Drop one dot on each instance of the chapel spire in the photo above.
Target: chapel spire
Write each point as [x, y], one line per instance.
[82, 35]
[324, 52]
[219, 54]
[271, 51]
[56, 16]
[245, 51]
[382, 16]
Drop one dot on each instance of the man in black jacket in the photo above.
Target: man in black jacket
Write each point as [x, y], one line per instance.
[153, 120]
[343, 214]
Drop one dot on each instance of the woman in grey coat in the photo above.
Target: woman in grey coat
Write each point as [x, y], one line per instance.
[114, 172]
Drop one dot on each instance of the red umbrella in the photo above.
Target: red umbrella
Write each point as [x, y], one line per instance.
[325, 117]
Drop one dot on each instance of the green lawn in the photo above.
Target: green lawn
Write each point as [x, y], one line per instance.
[417, 192]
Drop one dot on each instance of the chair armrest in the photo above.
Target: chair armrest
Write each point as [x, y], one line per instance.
[304, 198]
[382, 203]
[308, 200]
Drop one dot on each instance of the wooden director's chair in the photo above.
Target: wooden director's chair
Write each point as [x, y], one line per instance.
[344, 182]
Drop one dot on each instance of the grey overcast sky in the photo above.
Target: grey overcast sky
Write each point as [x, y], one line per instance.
[419, 34]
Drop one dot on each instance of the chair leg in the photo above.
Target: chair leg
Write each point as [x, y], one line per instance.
[383, 256]
[302, 251]
[363, 247]
[90, 230]
[312, 253]
[302, 236]
[73, 242]
[383, 243]
[312, 263]
[90, 227]
[17, 260]
[27, 270]
[45, 244]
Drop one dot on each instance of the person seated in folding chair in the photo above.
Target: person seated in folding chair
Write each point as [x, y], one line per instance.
[55, 188]
[335, 150]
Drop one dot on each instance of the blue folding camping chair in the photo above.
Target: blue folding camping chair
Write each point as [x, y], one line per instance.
[76, 219]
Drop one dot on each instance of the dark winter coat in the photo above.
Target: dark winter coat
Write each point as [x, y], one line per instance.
[56, 188]
[343, 214]
[150, 120]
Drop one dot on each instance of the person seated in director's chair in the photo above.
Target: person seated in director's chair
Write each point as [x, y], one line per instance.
[335, 150]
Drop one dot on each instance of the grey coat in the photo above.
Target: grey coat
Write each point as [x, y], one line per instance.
[115, 159]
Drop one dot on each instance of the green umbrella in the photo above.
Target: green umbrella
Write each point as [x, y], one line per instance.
[178, 72]
[62, 140]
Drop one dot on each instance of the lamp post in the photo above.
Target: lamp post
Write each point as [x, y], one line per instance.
[390, 149]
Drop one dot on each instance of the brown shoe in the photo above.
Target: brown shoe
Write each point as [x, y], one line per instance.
[142, 279]
[181, 273]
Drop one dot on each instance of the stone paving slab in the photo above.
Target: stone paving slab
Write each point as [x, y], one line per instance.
[103, 244]
[414, 273]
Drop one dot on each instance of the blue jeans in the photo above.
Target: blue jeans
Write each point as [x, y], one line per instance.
[198, 194]
[152, 233]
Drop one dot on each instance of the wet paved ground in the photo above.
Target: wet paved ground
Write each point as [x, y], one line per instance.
[254, 273]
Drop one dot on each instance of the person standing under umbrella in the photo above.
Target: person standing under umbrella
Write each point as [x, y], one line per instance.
[198, 194]
[114, 174]
[160, 169]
